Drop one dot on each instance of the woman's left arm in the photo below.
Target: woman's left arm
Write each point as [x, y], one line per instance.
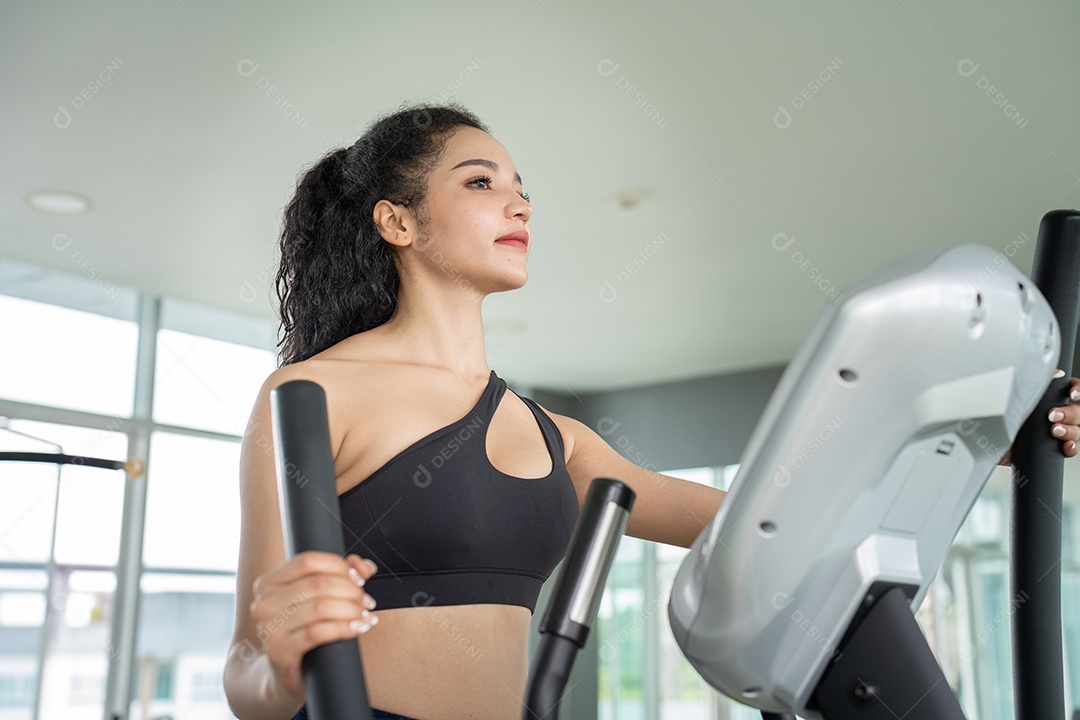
[674, 511]
[666, 509]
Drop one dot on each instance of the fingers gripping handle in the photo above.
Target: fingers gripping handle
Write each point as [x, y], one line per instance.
[333, 676]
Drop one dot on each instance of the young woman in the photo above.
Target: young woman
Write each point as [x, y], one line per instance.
[461, 492]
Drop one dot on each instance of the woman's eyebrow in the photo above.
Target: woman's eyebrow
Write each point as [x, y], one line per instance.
[484, 163]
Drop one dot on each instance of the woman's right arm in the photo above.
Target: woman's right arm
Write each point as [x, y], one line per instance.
[283, 607]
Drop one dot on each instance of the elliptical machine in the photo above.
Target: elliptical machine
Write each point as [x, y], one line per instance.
[934, 371]
[926, 350]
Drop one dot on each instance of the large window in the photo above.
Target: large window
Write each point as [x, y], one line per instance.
[643, 674]
[67, 343]
[72, 387]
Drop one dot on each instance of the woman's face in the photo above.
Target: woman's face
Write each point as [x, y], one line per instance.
[474, 197]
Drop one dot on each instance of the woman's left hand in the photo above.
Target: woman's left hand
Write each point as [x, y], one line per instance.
[1064, 424]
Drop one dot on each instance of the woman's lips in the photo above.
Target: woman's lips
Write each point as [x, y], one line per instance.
[518, 239]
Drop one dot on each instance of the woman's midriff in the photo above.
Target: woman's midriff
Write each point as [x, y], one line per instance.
[446, 663]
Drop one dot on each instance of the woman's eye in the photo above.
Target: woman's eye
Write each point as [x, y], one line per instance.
[486, 181]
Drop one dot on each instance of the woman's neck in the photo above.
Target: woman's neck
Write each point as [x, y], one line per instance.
[443, 329]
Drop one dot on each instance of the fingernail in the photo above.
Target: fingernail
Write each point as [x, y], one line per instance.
[1058, 431]
[365, 623]
[374, 567]
[370, 603]
[356, 578]
[1056, 416]
[1074, 395]
[1059, 373]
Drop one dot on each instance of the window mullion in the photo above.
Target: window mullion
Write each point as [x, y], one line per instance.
[129, 568]
[651, 646]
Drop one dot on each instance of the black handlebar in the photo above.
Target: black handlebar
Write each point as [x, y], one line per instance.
[1035, 574]
[333, 675]
[572, 608]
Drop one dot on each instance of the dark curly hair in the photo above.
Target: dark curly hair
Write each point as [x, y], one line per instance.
[337, 275]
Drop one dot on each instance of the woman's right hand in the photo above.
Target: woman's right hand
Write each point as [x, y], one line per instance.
[311, 599]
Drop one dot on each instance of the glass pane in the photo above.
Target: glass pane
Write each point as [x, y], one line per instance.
[67, 358]
[1070, 618]
[703, 475]
[27, 511]
[620, 636]
[992, 653]
[729, 473]
[185, 625]
[22, 623]
[91, 505]
[205, 383]
[193, 503]
[683, 692]
[79, 644]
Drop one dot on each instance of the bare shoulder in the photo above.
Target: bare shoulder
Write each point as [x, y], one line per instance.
[354, 377]
[569, 428]
[378, 402]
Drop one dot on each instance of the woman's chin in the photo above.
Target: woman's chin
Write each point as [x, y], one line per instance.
[511, 281]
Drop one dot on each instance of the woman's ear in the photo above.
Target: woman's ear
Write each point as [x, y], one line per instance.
[395, 223]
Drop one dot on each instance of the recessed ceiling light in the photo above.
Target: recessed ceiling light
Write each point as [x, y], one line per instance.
[58, 202]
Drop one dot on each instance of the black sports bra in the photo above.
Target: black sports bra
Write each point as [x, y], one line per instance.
[446, 528]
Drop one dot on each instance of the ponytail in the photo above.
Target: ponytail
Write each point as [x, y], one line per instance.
[337, 275]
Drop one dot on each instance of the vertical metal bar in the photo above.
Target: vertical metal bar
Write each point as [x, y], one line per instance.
[965, 631]
[50, 566]
[1038, 671]
[614, 673]
[129, 567]
[650, 672]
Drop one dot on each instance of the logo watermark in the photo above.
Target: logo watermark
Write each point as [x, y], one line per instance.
[782, 600]
[968, 67]
[248, 652]
[606, 426]
[248, 293]
[610, 649]
[247, 67]
[62, 242]
[782, 477]
[1000, 620]
[461, 78]
[781, 242]
[422, 477]
[782, 118]
[423, 599]
[608, 292]
[62, 118]
[606, 68]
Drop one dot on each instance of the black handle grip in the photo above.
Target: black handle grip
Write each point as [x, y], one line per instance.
[333, 675]
[1038, 469]
[572, 608]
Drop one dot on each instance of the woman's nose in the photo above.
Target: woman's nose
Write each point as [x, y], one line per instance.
[521, 207]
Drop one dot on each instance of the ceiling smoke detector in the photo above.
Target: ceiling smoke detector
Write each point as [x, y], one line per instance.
[629, 198]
